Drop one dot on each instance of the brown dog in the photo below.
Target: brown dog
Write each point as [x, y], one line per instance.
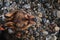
[18, 20]
[21, 19]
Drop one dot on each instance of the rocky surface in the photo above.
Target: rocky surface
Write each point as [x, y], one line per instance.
[47, 18]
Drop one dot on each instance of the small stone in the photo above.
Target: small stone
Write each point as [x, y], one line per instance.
[45, 32]
[40, 14]
[32, 38]
[37, 34]
[10, 31]
[26, 31]
[57, 28]
[34, 28]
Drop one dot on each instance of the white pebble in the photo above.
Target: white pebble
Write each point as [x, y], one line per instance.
[57, 28]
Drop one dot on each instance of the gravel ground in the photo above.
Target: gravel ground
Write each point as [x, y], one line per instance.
[46, 12]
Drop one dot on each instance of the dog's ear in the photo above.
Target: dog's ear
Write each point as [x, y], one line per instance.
[10, 15]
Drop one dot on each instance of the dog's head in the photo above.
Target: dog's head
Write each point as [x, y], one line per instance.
[21, 19]
[18, 21]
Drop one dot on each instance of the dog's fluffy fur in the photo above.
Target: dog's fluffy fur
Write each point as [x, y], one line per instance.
[16, 21]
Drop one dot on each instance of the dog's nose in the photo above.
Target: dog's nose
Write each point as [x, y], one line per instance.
[34, 19]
